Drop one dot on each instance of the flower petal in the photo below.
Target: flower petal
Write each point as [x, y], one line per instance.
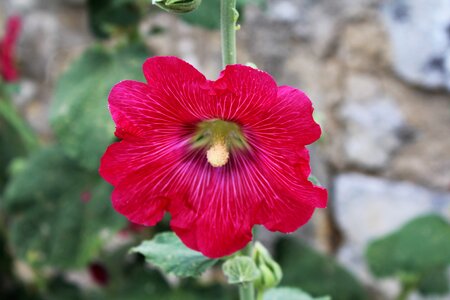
[137, 169]
[216, 215]
[172, 100]
[241, 93]
[290, 211]
[154, 169]
[133, 198]
[297, 112]
[7, 64]
[287, 126]
[170, 73]
[295, 197]
[131, 107]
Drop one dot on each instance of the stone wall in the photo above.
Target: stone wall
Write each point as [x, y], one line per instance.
[377, 71]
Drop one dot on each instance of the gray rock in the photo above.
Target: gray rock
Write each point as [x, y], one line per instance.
[369, 207]
[18, 6]
[372, 132]
[283, 11]
[38, 43]
[75, 2]
[419, 31]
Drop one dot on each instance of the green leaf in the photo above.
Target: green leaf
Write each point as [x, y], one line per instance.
[419, 246]
[434, 282]
[11, 147]
[260, 3]
[315, 273]
[207, 15]
[79, 114]
[130, 278]
[9, 114]
[58, 289]
[285, 293]
[167, 252]
[60, 214]
[11, 287]
[104, 16]
[240, 269]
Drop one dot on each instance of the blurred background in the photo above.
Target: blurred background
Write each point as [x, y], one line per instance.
[377, 71]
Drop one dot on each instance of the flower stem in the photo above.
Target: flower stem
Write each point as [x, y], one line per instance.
[247, 289]
[259, 295]
[12, 117]
[405, 292]
[228, 18]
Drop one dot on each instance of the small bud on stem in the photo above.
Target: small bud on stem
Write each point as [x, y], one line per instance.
[218, 154]
[177, 6]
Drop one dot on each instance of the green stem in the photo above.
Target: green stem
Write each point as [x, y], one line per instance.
[259, 295]
[10, 115]
[404, 293]
[228, 18]
[247, 290]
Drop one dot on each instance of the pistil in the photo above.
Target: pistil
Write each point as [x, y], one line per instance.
[218, 154]
[219, 138]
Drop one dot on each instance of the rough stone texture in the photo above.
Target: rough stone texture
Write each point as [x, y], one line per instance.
[372, 132]
[419, 32]
[339, 53]
[369, 207]
[360, 61]
[52, 34]
[381, 205]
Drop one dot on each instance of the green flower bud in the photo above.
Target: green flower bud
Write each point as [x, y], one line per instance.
[271, 273]
[177, 6]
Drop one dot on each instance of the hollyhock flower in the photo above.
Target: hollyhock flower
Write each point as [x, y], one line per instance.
[220, 156]
[99, 273]
[8, 70]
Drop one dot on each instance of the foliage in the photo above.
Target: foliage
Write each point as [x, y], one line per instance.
[79, 114]
[131, 279]
[108, 16]
[128, 278]
[167, 252]
[284, 293]
[270, 270]
[58, 211]
[240, 269]
[178, 6]
[16, 138]
[208, 14]
[315, 273]
[11, 147]
[419, 252]
[10, 285]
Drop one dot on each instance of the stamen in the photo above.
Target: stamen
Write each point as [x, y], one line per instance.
[218, 154]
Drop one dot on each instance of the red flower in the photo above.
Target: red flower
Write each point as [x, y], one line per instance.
[99, 273]
[8, 70]
[220, 156]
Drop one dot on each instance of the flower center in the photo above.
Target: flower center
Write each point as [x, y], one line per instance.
[218, 154]
[219, 138]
